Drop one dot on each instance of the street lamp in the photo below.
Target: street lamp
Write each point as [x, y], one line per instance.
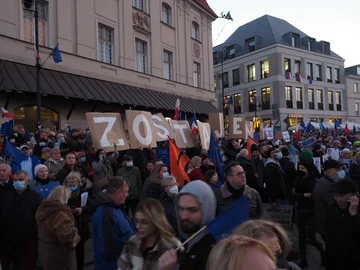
[223, 54]
[256, 100]
[28, 4]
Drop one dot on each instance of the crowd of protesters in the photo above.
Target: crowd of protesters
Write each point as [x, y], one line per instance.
[139, 218]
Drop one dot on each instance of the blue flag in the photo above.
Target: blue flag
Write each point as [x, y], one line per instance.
[354, 129]
[309, 127]
[322, 127]
[215, 157]
[7, 128]
[45, 190]
[12, 151]
[227, 221]
[336, 124]
[56, 55]
[27, 134]
[302, 124]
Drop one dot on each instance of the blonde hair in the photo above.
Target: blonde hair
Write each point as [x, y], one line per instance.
[229, 253]
[155, 213]
[194, 161]
[59, 194]
[155, 174]
[73, 176]
[258, 228]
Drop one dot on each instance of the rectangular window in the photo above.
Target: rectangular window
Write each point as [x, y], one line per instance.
[297, 66]
[288, 97]
[287, 65]
[338, 101]
[309, 45]
[265, 98]
[311, 99]
[195, 33]
[329, 74]
[358, 70]
[250, 45]
[28, 24]
[251, 72]
[318, 73]
[337, 75]
[105, 44]
[237, 103]
[356, 88]
[197, 74]
[299, 98]
[265, 71]
[231, 52]
[166, 14]
[295, 41]
[140, 4]
[225, 79]
[309, 70]
[320, 99]
[236, 76]
[141, 55]
[168, 65]
[252, 100]
[357, 108]
[331, 101]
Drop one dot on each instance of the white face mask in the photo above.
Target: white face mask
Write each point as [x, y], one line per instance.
[174, 190]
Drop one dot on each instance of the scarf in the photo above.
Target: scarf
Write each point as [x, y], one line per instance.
[237, 193]
[43, 181]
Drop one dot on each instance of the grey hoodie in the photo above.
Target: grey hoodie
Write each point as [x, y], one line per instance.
[204, 195]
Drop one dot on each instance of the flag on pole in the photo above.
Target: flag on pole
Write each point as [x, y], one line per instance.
[7, 128]
[7, 114]
[215, 156]
[310, 79]
[56, 54]
[322, 127]
[177, 109]
[193, 124]
[12, 151]
[297, 135]
[309, 127]
[298, 77]
[347, 130]
[178, 162]
[287, 121]
[302, 124]
[288, 75]
[250, 141]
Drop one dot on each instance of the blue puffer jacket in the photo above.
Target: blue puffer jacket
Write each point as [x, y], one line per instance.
[111, 230]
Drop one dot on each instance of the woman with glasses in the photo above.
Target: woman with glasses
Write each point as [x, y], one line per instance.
[153, 238]
[167, 199]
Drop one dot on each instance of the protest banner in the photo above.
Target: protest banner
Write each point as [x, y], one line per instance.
[280, 213]
[347, 163]
[333, 153]
[317, 163]
[162, 128]
[325, 157]
[308, 143]
[183, 134]
[236, 126]
[269, 133]
[263, 131]
[106, 130]
[249, 130]
[216, 121]
[141, 133]
[286, 136]
[204, 132]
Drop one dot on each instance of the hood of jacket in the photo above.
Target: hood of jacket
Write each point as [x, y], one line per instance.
[270, 160]
[49, 209]
[205, 196]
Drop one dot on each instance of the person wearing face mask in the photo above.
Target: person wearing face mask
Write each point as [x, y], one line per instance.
[133, 176]
[302, 193]
[155, 189]
[333, 172]
[354, 171]
[275, 182]
[42, 176]
[167, 199]
[73, 183]
[18, 228]
[54, 163]
[58, 235]
[42, 142]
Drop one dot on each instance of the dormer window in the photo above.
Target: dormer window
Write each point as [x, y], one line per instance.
[295, 41]
[250, 45]
[231, 52]
[358, 70]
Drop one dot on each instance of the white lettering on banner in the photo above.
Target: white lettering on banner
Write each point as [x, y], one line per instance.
[164, 129]
[249, 130]
[219, 133]
[237, 128]
[181, 129]
[136, 129]
[104, 141]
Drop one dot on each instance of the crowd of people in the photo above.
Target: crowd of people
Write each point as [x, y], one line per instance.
[140, 218]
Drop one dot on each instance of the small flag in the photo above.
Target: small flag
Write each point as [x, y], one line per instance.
[56, 55]
[177, 109]
[215, 156]
[250, 141]
[288, 75]
[302, 124]
[7, 128]
[193, 124]
[298, 77]
[178, 162]
[347, 130]
[310, 79]
[297, 135]
[287, 121]
[322, 127]
[354, 129]
[12, 151]
[7, 114]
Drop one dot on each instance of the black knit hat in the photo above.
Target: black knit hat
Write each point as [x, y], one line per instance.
[344, 187]
[209, 174]
[254, 148]
[332, 164]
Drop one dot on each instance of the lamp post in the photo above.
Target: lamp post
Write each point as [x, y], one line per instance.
[28, 4]
[223, 54]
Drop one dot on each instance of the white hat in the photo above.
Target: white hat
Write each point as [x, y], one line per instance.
[24, 146]
[38, 168]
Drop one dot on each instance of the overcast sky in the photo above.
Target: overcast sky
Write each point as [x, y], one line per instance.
[331, 20]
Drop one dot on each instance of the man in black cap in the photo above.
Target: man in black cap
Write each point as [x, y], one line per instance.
[342, 228]
[257, 163]
[333, 172]
[206, 164]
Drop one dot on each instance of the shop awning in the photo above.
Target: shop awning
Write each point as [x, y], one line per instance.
[20, 77]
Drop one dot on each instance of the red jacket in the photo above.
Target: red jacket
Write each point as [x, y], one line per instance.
[196, 175]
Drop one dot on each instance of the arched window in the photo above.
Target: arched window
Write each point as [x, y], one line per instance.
[195, 31]
[27, 116]
[166, 14]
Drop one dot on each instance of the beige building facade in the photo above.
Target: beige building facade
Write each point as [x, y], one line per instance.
[150, 51]
[352, 77]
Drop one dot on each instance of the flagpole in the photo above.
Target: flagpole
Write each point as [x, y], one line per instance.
[38, 67]
[191, 237]
[49, 56]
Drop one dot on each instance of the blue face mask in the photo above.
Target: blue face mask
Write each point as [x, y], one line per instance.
[83, 159]
[129, 164]
[165, 174]
[73, 188]
[62, 139]
[341, 174]
[42, 143]
[19, 185]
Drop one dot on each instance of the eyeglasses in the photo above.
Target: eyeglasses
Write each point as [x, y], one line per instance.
[243, 174]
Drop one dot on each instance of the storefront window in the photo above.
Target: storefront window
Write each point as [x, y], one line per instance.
[27, 116]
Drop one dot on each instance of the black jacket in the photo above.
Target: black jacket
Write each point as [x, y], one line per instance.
[154, 191]
[169, 207]
[245, 163]
[354, 172]
[342, 238]
[275, 181]
[304, 185]
[64, 171]
[17, 217]
[6, 187]
[289, 170]
[196, 258]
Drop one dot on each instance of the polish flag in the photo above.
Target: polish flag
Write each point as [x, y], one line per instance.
[347, 130]
[177, 109]
[7, 114]
[193, 124]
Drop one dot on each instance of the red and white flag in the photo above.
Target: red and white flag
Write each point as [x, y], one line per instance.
[7, 114]
[177, 109]
[347, 130]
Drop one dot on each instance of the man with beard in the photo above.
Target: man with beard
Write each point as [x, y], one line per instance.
[196, 205]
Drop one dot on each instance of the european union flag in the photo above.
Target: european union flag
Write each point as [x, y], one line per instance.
[12, 151]
[7, 128]
[215, 157]
[227, 221]
[336, 124]
[45, 190]
[309, 127]
[56, 55]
